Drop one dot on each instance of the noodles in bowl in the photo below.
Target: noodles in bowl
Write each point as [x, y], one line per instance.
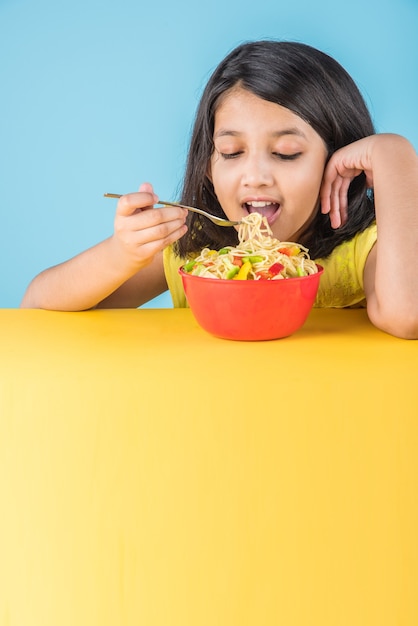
[260, 289]
[258, 256]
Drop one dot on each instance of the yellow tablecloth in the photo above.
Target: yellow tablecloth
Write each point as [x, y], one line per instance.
[154, 475]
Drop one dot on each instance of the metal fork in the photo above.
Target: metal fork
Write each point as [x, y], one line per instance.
[219, 221]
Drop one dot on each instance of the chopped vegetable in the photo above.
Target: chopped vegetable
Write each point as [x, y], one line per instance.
[243, 271]
[290, 250]
[232, 272]
[253, 259]
[189, 265]
[275, 269]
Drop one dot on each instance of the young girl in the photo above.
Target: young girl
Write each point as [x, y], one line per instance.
[281, 129]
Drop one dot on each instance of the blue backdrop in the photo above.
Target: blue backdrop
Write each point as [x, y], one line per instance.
[100, 95]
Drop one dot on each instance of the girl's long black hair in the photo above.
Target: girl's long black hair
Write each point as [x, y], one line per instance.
[309, 83]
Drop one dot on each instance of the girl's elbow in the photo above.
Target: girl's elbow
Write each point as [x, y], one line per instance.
[399, 321]
[27, 303]
[31, 300]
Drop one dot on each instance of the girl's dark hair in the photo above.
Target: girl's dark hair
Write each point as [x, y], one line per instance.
[309, 83]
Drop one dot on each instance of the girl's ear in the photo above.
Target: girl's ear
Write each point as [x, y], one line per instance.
[209, 172]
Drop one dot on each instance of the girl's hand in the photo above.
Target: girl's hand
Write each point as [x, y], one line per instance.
[107, 274]
[344, 165]
[140, 231]
[390, 164]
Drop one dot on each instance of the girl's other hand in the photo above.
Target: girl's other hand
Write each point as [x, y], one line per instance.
[140, 231]
[344, 165]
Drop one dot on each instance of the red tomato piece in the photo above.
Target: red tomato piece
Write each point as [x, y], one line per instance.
[264, 275]
[275, 269]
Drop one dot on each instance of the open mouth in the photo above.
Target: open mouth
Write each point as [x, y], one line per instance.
[269, 210]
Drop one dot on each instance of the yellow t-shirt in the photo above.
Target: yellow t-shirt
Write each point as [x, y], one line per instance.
[341, 283]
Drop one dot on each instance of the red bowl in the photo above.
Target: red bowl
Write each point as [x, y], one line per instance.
[251, 310]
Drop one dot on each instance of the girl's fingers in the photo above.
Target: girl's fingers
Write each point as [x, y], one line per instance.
[130, 203]
[334, 213]
[143, 243]
[343, 200]
[334, 199]
[148, 188]
[344, 165]
[140, 227]
[160, 218]
[155, 229]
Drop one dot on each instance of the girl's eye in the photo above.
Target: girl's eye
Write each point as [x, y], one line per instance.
[279, 155]
[287, 157]
[230, 155]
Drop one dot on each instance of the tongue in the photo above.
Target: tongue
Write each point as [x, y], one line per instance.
[265, 211]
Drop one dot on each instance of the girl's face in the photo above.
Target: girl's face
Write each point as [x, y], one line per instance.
[266, 159]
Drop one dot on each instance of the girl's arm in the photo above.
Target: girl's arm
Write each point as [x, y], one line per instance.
[390, 164]
[125, 270]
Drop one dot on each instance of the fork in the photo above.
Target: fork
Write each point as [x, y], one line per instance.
[219, 221]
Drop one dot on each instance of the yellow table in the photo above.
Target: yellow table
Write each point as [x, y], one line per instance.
[154, 475]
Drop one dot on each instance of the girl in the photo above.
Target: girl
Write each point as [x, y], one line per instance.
[283, 130]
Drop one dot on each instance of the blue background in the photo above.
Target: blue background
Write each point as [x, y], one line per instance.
[100, 96]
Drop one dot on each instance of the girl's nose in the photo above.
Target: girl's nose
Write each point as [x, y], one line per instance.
[257, 172]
